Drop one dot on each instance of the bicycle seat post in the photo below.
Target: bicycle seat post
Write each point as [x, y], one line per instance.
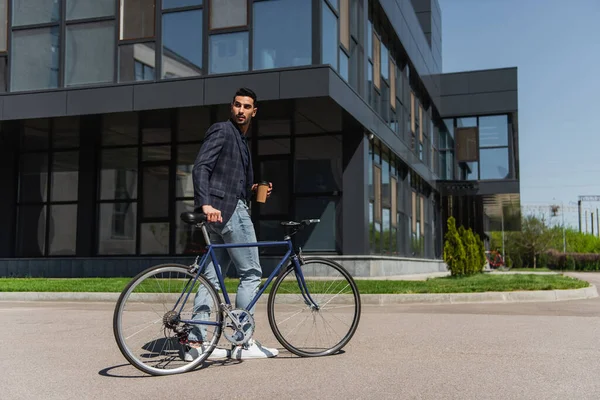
[205, 233]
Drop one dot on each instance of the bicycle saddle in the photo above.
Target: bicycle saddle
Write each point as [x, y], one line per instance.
[193, 217]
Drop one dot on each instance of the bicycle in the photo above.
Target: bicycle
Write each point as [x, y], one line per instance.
[156, 302]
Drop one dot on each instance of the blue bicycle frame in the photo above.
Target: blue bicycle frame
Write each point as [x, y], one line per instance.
[210, 252]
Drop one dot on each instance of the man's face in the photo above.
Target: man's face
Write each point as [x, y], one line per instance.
[243, 110]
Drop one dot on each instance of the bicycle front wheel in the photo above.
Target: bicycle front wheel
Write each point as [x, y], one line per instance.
[310, 331]
[151, 320]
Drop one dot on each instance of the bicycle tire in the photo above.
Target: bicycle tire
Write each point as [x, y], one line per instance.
[135, 282]
[322, 280]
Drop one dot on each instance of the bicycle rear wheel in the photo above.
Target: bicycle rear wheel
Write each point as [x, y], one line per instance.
[149, 321]
[308, 331]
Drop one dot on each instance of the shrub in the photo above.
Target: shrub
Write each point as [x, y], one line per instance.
[573, 261]
[454, 251]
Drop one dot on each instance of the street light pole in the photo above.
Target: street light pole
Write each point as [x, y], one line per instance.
[563, 228]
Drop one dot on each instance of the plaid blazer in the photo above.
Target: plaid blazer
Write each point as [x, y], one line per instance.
[219, 174]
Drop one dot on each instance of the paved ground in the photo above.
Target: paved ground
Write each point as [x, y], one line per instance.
[60, 350]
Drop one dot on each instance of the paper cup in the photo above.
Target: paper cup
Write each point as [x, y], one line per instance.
[261, 192]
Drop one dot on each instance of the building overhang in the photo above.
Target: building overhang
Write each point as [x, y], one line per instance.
[281, 84]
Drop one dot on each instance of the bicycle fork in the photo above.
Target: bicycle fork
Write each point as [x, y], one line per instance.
[308, 300]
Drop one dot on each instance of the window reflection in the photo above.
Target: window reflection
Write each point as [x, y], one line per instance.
[281, 34]
[494, 163]
[182, 44]
[321, 236]
[120, 129]
[344, 65]
[320, 160]
[493, 131]
[89, 53]
[29, 12]
[137, 62]
[65, 176]
[137, 19]
[186, 155]
[154, 238]
[228, 13]
[166, 4]
[31, 239]
[156, 192]
[276, 171]
[62, 237]
[35, 59]
[329, 41]
[118, 176]
[79, 9]
[34, 178]
[117, 233]
[228, 53]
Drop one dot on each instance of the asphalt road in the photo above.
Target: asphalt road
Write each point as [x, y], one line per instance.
[60, 350]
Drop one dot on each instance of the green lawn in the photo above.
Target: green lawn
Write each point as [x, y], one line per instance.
[478, 283]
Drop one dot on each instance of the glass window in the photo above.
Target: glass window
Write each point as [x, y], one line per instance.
[137, 19]
[35, 59]
[494, 163]
[156, 153]
[193, 122]
[376, 61]
[136, 62]
[186, 155]
[320, 160]
[355, 17]
[344, 61]
[276, 171]
[385, 66]
[29, 12]
[335, 4]
[493, 131]
[187, 239]
[3, 25]
[392, 85]
[36, 134]
[117, 232]
[329, 43]
[466, 122]
[90, 53]
[156, 126]
[323, 236]
[166, 4]
[154, 238]
[345, 23]
[182, 44]
[281, 34]
[33, 185]
[79, 9]
[228, 53]
[120, 129]
[65, 132]
[62, 236]
[156, 192]
[65, 176]
[118, 175]
[370, 39]
[228, 13]
[31, 239]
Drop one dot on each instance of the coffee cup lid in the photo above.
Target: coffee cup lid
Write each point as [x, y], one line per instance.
[263, 183]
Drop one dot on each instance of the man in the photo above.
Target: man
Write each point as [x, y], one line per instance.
[222, 177]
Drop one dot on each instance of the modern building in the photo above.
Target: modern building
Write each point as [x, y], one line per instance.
[105, 104]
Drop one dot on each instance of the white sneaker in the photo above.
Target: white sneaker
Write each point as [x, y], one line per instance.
[253, 349]
[194, 353]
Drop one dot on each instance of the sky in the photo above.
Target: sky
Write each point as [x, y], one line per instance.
[555, 44]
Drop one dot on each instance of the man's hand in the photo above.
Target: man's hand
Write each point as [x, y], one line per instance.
[212, 214]
[269, 190]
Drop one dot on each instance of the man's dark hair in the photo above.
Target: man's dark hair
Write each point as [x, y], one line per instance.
[245, 92]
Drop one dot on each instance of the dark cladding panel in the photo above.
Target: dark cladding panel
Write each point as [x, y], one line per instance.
[312, 82]
[220, 90]
[35, 105]
[185, 93]
[454, 84]
[100, 100]
[493, 80]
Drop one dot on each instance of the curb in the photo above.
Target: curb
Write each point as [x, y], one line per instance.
[366, 299]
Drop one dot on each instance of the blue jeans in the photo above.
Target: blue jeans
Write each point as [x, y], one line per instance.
[239, 229]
